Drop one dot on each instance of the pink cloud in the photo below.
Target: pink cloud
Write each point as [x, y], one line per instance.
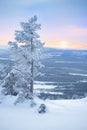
[77, 31]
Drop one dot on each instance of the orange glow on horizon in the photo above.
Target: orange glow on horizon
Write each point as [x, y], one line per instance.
[6, 39]
[4, 42]
[66, 45]
[56, 44]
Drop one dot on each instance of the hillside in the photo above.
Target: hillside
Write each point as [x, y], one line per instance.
[66, 70]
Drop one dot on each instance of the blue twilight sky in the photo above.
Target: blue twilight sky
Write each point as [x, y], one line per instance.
[61, 20]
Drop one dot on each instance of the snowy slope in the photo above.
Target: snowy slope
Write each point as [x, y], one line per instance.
[61, 115]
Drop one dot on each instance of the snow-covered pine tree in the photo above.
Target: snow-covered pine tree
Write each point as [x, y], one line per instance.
[27, 50]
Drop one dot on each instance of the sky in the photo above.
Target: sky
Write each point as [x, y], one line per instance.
[64, 22]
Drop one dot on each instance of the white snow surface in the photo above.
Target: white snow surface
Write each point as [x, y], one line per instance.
[42, 87]
[60, 115]
[77, 74]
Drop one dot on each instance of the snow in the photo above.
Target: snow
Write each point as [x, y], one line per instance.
[83, 81]
[68, 62]
[37, 86]
[3, 58]
[77, 74]
[1, 66]
[42, 85]
[60, 115]
[46, 92]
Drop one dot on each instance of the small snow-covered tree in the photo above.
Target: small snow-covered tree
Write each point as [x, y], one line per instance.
[27, 51]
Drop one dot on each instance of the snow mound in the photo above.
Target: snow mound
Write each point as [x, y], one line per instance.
[60, 115]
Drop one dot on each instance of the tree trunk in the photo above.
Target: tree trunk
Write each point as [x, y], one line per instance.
[31, 80]
[32, 67]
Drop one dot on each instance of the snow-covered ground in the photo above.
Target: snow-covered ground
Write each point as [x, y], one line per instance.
[77, 74]
[60, 115]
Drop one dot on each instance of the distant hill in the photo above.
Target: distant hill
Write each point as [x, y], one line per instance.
[67, 69]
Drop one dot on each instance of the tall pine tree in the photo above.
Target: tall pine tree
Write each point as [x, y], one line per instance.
[27, 50]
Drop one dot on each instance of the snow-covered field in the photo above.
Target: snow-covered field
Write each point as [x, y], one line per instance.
[77, 74]
[60, 115]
